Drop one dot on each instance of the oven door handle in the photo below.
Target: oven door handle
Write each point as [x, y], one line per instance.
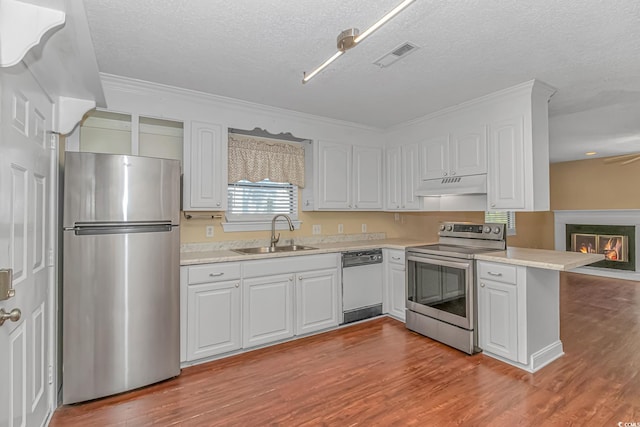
[435, 261]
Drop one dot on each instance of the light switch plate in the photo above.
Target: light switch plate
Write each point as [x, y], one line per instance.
[340, 228]
[209, 231]
[316, 229]
[364, 228]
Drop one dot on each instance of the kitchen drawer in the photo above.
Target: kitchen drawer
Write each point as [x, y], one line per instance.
[395, 256]
[497, 272]
[209, 273]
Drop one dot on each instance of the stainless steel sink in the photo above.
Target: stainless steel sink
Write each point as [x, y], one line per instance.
[270, 250]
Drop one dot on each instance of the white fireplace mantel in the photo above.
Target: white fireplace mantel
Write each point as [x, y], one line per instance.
[598, 217]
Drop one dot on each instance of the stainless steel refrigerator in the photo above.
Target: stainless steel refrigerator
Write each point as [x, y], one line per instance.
[120, 273]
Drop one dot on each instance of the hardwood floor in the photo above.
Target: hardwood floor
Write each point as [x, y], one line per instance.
[379, 374]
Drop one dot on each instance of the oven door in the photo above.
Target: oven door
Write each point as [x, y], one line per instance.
[441, 288]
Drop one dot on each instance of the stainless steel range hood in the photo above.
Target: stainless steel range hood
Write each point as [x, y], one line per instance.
[470, 184]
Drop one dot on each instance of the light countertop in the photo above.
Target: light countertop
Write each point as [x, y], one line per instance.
[541, 258]
[206, 257]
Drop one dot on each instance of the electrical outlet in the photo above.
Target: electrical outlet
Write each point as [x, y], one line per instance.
[396, 217]
[209, 231]
[364, 228]
[340, 228]
[317, 229]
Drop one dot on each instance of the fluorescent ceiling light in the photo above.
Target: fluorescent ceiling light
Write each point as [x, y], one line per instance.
[322, 67]
[349, 38]
[383, 20]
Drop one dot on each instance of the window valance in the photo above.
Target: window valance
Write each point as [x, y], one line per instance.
[254, 159]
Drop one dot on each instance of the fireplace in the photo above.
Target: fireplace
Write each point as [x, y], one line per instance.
[615, 242]
[602, 231]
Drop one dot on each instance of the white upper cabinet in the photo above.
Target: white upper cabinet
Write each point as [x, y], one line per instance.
[462, 151]
[506, 181]
[434, 158]
[518, 176]
[367, 178]
[205, 174]
[348, 177]
[468, 151]
[334, 169]
[500, 142]
[401, 177]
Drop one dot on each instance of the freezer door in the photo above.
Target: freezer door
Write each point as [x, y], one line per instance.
[121, 312]
[119, 188]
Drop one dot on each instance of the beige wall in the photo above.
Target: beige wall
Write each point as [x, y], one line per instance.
[534, 229]
[594, 184]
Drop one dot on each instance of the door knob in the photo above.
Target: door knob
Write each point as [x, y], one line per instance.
[13, 315]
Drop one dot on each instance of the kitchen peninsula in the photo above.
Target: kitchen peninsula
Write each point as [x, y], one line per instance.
[519, 304]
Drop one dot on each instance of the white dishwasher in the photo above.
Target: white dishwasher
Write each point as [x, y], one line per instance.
[362, 277]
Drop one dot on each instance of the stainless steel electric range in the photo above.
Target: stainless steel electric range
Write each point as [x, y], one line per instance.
[440, 279]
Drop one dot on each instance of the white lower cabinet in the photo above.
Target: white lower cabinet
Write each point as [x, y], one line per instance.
[214, 319]
[213, 310]
[267, 309]
[498, 324]
[289, 296]
[316, 301]
[519, 314]
[395, 283]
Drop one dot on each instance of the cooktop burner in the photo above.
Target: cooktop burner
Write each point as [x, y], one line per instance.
[464, 240]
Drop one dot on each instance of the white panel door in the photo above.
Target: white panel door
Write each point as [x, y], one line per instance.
[25, 224]
[469, 151]
[267, 312]
[505, 178]
[367, 178]
[397, 290]
[393, 180]
[410, 175]
[434, 157]
[498, 319]
[206, 168]
[334, 175]
[213, 319]
[316, 301]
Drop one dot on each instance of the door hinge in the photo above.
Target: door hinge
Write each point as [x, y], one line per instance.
[51, 260]
[53, 141]
[50, 374]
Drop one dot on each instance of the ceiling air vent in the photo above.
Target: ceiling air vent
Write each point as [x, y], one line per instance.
[399, 52]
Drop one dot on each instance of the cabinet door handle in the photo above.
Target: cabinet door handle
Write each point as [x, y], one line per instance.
[216, 274]
[299, 277]
[482, 285]
[218, 204]
[444, 174]
[491, 273]
[237, 285]
[493, 205]
[453, 173]
[291, 279]
[397, 258]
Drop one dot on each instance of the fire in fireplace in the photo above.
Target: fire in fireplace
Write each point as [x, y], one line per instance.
[615, 242]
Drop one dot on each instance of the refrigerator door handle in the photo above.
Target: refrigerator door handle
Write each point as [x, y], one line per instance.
[90, 230]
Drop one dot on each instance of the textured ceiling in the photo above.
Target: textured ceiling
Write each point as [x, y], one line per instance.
[257, 51]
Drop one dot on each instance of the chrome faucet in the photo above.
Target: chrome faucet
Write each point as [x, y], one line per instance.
[275, 239]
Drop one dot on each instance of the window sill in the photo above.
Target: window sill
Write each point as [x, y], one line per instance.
[257, 226]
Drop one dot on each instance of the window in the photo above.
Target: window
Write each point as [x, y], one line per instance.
[252, 205]
[508, 218]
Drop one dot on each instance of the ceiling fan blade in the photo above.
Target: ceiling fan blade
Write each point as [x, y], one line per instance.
[620, 157]
[626, 162]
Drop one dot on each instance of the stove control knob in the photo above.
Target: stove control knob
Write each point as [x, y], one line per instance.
[496, 230]
[487, 229]
[449, 227]
[442, 227]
